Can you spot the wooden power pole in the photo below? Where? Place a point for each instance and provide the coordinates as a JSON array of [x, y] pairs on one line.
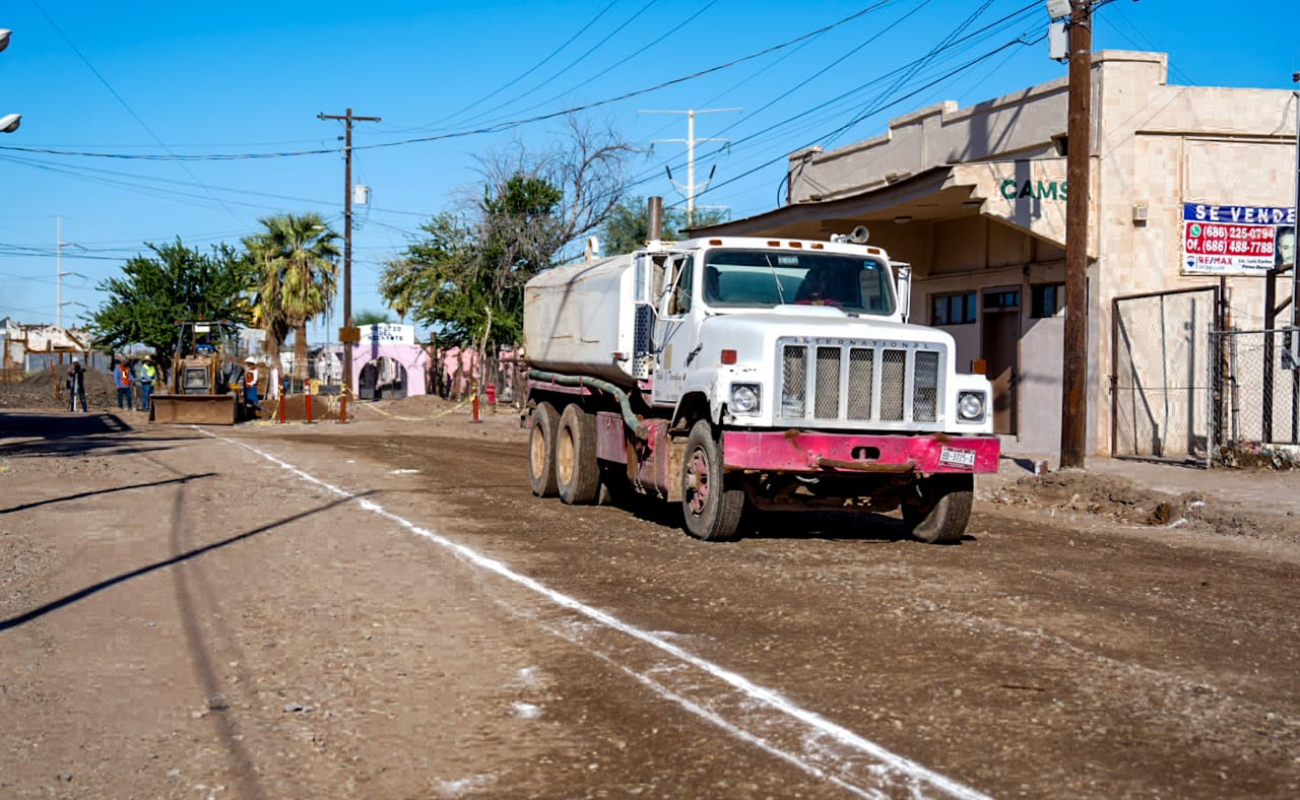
[[1074, 395], [349, 338]]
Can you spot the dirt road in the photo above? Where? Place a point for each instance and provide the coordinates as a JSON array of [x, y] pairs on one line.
[[382, 610]]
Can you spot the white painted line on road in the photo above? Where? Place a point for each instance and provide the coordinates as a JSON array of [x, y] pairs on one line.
[[767, 697]]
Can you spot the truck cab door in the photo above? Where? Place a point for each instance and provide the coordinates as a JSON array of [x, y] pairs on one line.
[[676, 333]]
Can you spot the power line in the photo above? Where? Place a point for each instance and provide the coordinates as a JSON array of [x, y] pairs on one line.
[[571, 64], [125, 104], [504, 126], [895, 102], [627, 59], [804, 116], [869, 110], [519, 77]]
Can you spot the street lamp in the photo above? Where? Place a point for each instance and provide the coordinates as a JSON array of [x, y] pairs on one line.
[[9, 122]]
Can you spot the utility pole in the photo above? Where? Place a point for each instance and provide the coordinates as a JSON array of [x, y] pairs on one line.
[[690, 141], [1074, 395], [59, 272], [350, 337]]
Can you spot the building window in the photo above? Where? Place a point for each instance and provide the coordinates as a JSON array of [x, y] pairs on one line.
[[952, 309], [1048, 300], [1003, 300]]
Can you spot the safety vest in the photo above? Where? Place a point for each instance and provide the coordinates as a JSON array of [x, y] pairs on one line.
[[125, 374], [150, 373], [250, 377]]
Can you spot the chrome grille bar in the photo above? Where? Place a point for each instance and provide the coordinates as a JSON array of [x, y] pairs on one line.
[[860, 381]]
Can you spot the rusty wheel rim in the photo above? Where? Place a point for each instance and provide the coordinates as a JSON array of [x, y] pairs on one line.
[[697, 474]]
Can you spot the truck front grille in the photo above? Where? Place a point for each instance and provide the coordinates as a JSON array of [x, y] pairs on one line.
[[882, 383]]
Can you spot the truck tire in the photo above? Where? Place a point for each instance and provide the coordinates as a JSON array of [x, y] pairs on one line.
[[541, 450], [942, 512], [577, 473], [711, 508]]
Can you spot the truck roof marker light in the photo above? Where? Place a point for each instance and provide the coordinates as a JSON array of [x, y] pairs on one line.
[[817, 246], [728, 356], [715, 241], [796, 245], [773, 244]]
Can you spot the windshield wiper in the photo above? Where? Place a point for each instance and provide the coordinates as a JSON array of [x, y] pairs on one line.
[[768, 258]]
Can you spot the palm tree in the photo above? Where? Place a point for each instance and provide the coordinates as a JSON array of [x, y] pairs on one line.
[[297, 279]]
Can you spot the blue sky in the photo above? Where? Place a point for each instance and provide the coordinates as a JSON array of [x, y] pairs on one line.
[[236, 77]]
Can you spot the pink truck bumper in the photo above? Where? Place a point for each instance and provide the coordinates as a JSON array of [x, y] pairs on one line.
[[801, 451]]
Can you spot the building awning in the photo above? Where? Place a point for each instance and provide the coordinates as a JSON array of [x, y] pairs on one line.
[[1028, 194]]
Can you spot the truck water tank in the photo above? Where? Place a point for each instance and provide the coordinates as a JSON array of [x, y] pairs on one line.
[[577, 317]]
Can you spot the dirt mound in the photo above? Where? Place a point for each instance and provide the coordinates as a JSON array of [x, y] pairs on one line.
[[1121, 499], [38, 391]]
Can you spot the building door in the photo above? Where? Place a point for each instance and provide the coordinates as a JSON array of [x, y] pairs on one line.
[[1000, 344]]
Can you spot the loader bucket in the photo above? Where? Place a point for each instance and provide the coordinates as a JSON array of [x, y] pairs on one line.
[[200, 409]]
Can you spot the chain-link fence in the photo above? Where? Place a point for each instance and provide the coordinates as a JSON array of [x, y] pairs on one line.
[[1160, 360], [1255, 385]]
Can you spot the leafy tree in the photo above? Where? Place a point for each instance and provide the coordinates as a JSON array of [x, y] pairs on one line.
[[369, 317], [628, 225], [296, 279], [175, 283], [464, 278], [439, 281]]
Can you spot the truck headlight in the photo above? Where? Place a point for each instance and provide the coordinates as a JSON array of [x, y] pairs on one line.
[[745, 398], [970, 406]]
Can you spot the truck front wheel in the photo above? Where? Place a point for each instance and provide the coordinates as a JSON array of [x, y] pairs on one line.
[[541, 450], [941, 512], [577, 472], [712, 510]]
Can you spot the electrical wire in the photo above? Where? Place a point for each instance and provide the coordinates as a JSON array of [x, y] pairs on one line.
[[895, 102], [569, 66], [457, 134], [516, 79], [957, 46], [125, 104], [623, 61], [872, 106]]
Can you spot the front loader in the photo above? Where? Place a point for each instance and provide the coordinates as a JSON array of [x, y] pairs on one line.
[[204, 385]]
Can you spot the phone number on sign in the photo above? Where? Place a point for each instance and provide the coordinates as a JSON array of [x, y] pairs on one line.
[[1255, 240]]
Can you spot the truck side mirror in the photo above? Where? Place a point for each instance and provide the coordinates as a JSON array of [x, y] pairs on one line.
[[903, 276]]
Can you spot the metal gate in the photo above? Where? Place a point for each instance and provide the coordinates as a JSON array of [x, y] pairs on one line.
[[1256, 388], [1160, 368]]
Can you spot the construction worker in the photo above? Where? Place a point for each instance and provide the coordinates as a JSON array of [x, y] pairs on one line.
[[148, 374], [122, 379], [250, 384]]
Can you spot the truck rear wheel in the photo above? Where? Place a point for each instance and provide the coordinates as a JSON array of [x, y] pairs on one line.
[[541, 450], [942, 512], [577, 472], [712, 510]]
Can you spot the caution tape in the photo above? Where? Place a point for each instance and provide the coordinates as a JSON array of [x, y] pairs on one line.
[[390, 415]]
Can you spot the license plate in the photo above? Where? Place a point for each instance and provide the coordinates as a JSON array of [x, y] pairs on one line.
[[956, 457]]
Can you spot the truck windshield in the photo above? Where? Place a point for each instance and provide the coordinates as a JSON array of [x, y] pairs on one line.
[[765, 279]]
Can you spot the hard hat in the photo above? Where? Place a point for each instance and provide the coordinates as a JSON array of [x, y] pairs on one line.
[[250, 360]]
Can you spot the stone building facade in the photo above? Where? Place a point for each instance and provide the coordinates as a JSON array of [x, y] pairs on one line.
[[974, 199]]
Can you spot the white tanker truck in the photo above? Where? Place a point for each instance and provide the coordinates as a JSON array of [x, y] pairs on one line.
[[729, 372]]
